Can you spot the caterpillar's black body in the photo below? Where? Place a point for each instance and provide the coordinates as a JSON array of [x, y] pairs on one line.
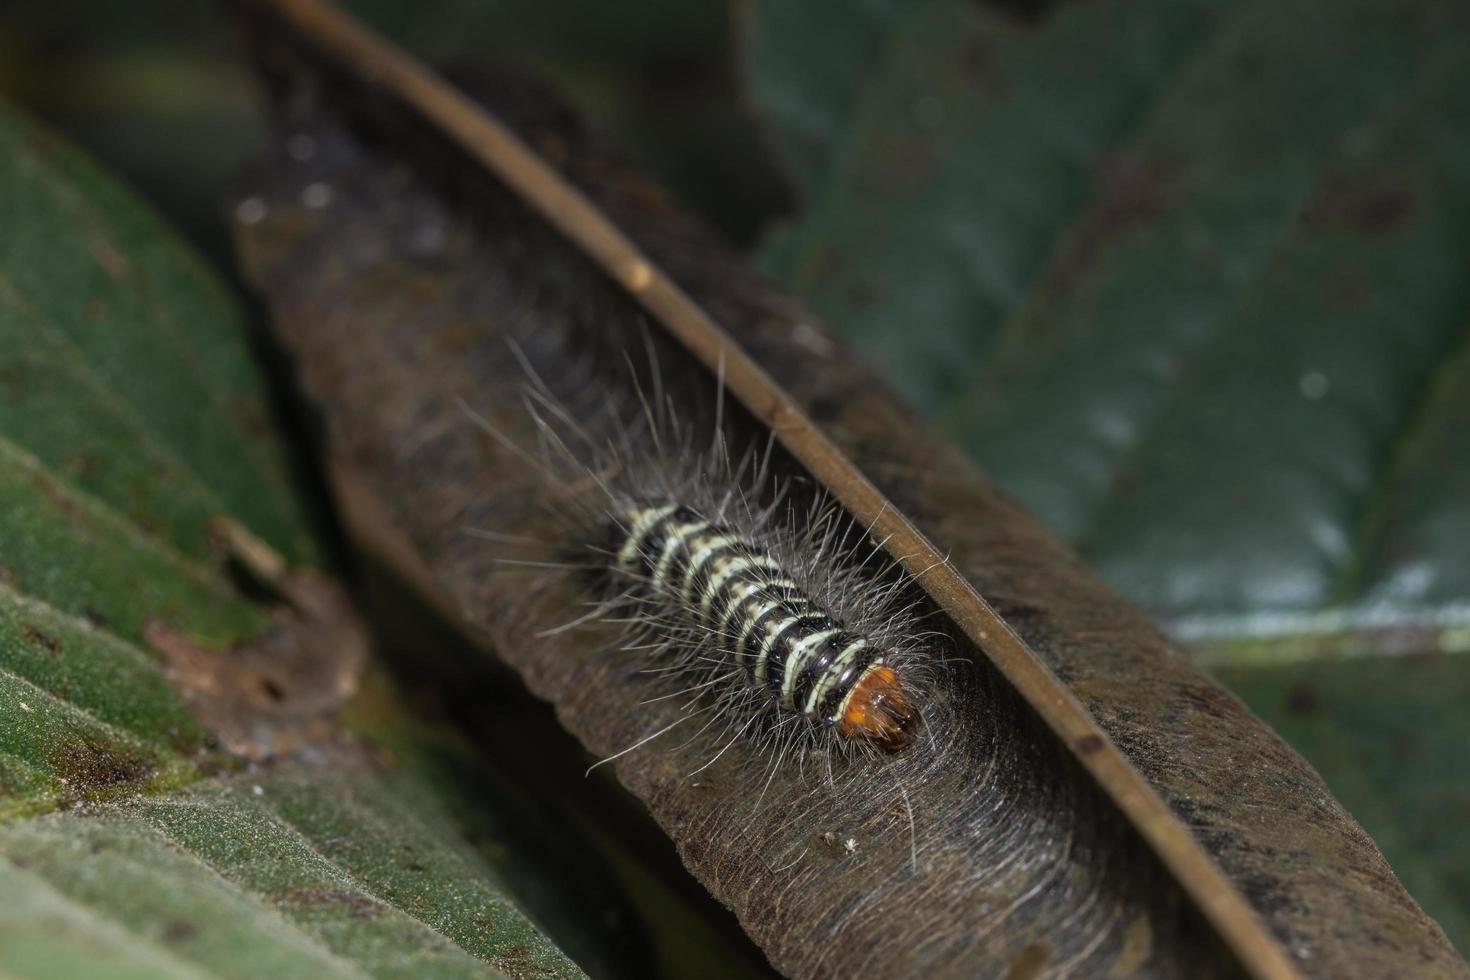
[[787, 645]]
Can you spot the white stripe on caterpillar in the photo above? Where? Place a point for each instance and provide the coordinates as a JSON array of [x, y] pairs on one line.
[[638, 527], [788, 645], [796, 661]]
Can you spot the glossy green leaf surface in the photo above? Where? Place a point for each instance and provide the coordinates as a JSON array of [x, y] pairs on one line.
[[82, 263], [162, 92], [133, 417], [1190, 280], [1178, 274], [108, 388]]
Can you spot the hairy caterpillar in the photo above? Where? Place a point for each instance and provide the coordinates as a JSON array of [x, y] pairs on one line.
[[785, 643], [748, 594]]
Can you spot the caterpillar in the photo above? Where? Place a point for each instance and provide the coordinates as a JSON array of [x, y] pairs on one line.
[[784, 642], [781, 621]]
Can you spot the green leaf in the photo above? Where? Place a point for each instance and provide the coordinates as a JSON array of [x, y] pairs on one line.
[[1176, 273], [809, 91], [1189, 280], [158, 346], [116, 367], [132, 420], [299, 872], [83, 713], [162, 93]]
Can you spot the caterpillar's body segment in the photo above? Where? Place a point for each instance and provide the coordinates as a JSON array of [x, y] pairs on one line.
[[787, 645]]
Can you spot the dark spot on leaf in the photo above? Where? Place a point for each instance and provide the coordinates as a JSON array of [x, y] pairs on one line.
[[113, 262], [517, 960], [87, 765], [1088, 744], [179, 931], [95, 618], [1131, 195], [414, 866], [357, 904], [1029, 962], [96, 309], [1383, 211], [44, 640], [976, 60], [85, 466], [1363, 204], [974, 69], [272, 688], [7, 576], [481, 922], [1302, 700], [13, 383], [149, 524]]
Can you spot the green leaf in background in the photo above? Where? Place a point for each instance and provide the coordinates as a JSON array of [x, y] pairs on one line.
[[160, 89], [1190, 279], [132, 418], [79, 267], [1179, 274], [155, 89]]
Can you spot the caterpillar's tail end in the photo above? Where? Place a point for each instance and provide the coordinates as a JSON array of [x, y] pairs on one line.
[[880, 712]]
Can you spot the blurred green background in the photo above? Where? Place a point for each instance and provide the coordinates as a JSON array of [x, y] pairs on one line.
[[1190, 277]]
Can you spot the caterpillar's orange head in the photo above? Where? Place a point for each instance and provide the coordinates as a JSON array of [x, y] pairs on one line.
[[879, 711]]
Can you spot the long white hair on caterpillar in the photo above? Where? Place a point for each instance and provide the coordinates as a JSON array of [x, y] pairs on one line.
[[752, 599]]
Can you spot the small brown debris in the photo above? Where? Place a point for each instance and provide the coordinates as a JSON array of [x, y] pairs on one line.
[[360, 906], [276, 693], [179, 931], [41, 639], [113, 262], [87, 765]]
